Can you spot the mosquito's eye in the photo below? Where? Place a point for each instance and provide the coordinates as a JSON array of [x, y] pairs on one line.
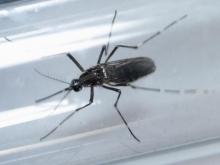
[[75, 82], [77, 88]]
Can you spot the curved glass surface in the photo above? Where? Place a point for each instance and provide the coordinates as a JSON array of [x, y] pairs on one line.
[[38, 34]]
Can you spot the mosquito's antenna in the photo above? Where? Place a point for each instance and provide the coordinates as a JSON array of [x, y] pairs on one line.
[[52, 95], [61, 100], [161, 31], [50, 77], [110, 34]]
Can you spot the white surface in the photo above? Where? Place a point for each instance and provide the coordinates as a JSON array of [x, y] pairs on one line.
[[203, 153], [186, 56]]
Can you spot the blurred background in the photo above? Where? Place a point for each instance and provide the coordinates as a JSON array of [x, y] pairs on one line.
[[173, 128]]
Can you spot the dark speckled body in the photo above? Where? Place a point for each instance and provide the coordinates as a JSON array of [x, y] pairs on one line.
[[120, 72]]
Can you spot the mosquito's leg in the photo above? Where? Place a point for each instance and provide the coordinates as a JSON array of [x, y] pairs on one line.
[[146, 40], [110, 33], [62, 99], [171, 91], [71, 114], [144, 88], [116, 107], [75, 62], [7, 39], [106, 47], [101, 54], [119, 46], [116, 85]]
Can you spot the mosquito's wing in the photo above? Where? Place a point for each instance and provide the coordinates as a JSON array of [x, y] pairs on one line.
[[128, 70]]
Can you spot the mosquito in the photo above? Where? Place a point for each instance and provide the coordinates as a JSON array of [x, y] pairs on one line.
[[109, 75]]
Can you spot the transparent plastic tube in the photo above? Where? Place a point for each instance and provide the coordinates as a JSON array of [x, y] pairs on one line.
[[37, 35]]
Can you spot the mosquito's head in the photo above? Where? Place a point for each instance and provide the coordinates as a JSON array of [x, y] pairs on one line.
[[76, 85]]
